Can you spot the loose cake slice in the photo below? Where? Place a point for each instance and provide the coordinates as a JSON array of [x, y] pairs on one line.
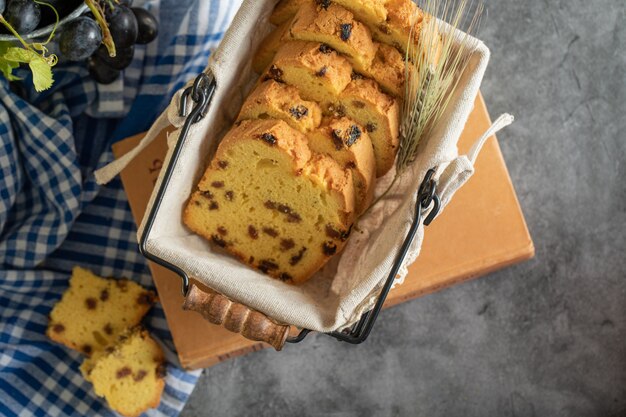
[[271, 202], [268, 47], [319, 73], [335, 26], [363, 102], [349, 144], [129, 374], [94, 311], [273, 100]]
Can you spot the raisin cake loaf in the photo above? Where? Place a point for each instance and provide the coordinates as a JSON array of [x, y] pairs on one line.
[[267, 199], [128, 374], [94, 311]]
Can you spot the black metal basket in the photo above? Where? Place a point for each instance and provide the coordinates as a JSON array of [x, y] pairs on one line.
[[201, 94]]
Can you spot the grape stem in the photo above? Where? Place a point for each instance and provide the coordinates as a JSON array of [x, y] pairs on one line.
[[107, 39], [14, 32], [56, 24]]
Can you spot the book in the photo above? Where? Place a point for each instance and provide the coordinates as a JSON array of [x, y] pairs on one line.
[[480, 231]]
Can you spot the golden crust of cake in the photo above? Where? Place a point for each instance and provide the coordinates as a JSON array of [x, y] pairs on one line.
[[388, 70], [396, 29], [285, 10], [274, 100], [94, 311], [319, 73], [268, 47], [128, 374], [335, 26], [379, 113], [370, 12], [267, 199], [349, 144]]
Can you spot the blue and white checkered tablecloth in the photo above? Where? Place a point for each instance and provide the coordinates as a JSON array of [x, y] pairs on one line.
[[53, 215]]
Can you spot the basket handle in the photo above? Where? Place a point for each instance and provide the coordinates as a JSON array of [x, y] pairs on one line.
[[236, 317]]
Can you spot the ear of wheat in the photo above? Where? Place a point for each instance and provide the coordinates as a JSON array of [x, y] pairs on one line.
[[433, 66]]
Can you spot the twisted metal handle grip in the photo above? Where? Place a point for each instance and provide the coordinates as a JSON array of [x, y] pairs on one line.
[[236, 317]]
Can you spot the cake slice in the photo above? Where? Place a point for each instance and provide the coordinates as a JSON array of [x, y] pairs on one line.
[[273, 100], [370, 12], [363, 102], [128, 374], [319, 73], [335, 26], [272, 203], [388, 70], [285, 10], [94, 311], [349, 144], [268, 47]]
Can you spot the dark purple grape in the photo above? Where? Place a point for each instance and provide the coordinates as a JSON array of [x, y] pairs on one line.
[[126, 3], [3, 5], [23, 15], [80, 38], [122, 59], [123, 27], [100, 72], [147, 25]]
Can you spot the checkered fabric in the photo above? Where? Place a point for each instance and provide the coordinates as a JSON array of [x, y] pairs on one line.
[[53, 215]]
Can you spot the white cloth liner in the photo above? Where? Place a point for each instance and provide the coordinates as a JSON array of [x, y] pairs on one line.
[[349, 285]]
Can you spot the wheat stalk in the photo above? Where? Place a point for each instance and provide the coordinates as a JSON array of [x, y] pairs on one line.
[[433, 67]]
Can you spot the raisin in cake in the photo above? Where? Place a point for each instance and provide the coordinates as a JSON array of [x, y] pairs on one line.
[[270, 201], [274, 100], [319, 73], [94, 310], [128, 374], [349, 144], [379, 113]]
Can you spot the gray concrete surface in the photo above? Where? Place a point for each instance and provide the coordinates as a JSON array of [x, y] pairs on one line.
[[545, 338]]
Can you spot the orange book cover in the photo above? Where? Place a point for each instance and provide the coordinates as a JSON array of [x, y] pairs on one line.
[[481, 230]]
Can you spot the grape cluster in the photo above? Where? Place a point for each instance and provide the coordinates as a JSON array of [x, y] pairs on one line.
[[82, 38]]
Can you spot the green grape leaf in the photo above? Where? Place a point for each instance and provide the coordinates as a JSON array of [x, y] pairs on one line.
[[41, 69], [42, 74]]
